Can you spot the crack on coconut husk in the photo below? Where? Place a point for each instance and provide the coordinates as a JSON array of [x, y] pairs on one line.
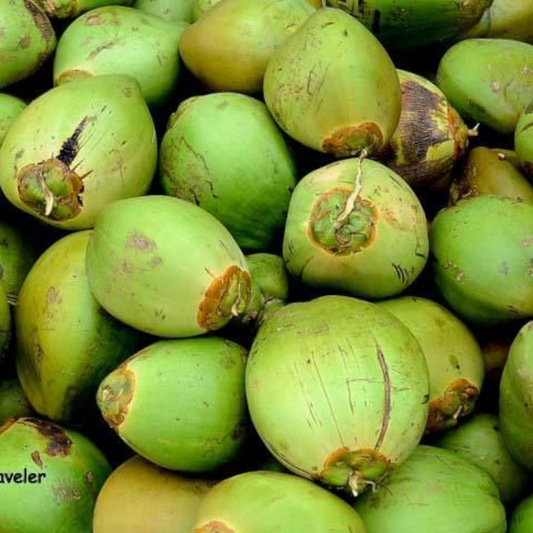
[[227, 296], [52, 188], [214, 526], [41, 21], [61, 8], [458, 401], [355, 471], [115, 395], [349, 141], [58, 443]]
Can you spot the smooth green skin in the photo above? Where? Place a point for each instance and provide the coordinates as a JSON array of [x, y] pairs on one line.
[[66, 343], [486, 172], [479, 441], [17, 256], [263, 502], [482, 252], [229, 47], [522, 517], [523, 139], [225, 153], [13, 401], [505, 19], [64, 500], [489, 81], [408, 24], [148, 254], [384, 268], [5, 323], [118, 146], [116, 45], [73, 8], [139, 497], [315, 383], [170, 10], [200, 7], [435, 489], [451, 350], [26, 42], [188, 409], [312, 96], [516, 397], [10, 108]]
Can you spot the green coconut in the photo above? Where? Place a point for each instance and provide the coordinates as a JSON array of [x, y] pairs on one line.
[[140, 496], [357, 227], [523, 138], [516, 398], [262, 502], [148, 253], [480, 442], [408, 24], [50, 477], [436, 490], [522, 517], [505, 19], [180, 403], [73, 8], [10, 108], [27, 40], [229, 47], [319, 368], [108, 40], [225, 153], [482, 256], [5, 323], [13, 401], [488, 81], [490, 171], [339, 106], [430, 137], [17, 256], [77, 148], [66, 343], [455, 362], [170, 10]]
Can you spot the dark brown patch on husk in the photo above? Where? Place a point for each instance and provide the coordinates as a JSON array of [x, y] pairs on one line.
[[116, 395], [349, 141], [58, 443], [41, 20]]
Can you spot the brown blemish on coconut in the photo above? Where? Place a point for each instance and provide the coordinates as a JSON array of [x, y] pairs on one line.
[[41, 21], [352, 140], [115, 395], [458, 401], [214, 527], [351, 235], [228, 295], [58, 443], [36, 458], [140, 242]]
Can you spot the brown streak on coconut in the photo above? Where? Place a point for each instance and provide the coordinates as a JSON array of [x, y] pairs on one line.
[[115, 395], [214, 527], [58, 442], [387, 397]]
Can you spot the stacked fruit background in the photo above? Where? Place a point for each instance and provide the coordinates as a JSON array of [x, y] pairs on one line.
[[266, 266]]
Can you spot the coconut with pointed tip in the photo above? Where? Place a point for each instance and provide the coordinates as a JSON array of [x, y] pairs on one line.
[[77, 148], [27, 40], [340, 104], [229, 47]]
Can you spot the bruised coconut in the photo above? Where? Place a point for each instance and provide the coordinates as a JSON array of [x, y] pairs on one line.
[[430, 137], [303, 385], [307, 91], [66, 343], [407, 24], [481, 256], [77, 148], [113, 45], [140, 496], [201, 384], [229, 47], [63, 474], [137, 273], [261, 502], [453, 356], [27, 40], [491, 171], [355, 226], [72, 8], [225, 153]]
